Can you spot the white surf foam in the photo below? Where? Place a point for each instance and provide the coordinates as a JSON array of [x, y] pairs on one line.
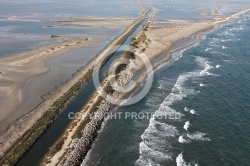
[[198, 136], [149, 156], [186, 125], [207, 68], [192, 112], [217, 66], [181, 162], [182, 140], [146, 162], [186, 109], [154, 139], [206, 64], [207, 49], [202, 85], [154, 145], [179, 85], [149, 152], [165, 112], [160, 131], [224, 47]]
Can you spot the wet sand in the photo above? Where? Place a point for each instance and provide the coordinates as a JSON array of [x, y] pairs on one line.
[[18, 69]]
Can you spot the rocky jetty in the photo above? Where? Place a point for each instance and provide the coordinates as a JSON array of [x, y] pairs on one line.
[[81, 147]]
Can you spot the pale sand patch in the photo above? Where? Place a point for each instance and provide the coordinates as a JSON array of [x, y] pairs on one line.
[[13, 18], [164, 37], [18, 69], [97, 22]]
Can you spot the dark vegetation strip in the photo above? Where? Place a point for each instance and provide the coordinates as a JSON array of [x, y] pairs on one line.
[[22, 144], [88, 129], [95, 124], [78, 134]]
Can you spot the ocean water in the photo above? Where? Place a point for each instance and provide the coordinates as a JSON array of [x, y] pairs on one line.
[[209, 85]]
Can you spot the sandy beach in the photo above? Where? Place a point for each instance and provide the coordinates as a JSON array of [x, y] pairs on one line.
[[162, 39]]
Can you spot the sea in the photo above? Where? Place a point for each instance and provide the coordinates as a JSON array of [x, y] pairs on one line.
[[208, 86]]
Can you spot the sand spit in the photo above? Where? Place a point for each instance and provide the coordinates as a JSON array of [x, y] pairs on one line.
[[18, 69], [163, 38], [13, 18], [95, 22]]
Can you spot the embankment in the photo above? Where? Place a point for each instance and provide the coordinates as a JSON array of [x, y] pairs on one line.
[[100, 107], [84, 132], [74, 145]]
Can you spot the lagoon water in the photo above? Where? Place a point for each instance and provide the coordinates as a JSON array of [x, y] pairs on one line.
[[59, 9], [209, 85], [29, 30], [28, 35]]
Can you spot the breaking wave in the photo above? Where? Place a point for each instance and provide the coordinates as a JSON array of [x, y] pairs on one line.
[[181, 162], [198, 136]]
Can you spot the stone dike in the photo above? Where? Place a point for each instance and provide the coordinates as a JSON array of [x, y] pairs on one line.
[[81, 146]]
